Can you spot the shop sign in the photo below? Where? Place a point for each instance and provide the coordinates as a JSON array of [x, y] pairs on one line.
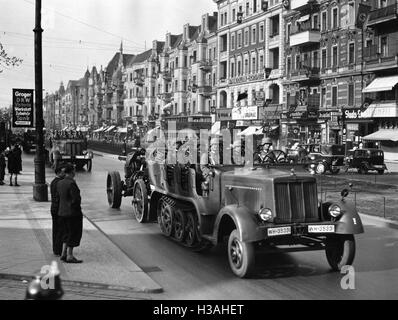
[[22, 108], [223, 114], [352, 126], [241, 123], [324, 115], [252, 77], [352, 114], [245, 113]]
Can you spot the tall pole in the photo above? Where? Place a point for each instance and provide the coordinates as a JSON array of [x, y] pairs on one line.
[[40, 190]]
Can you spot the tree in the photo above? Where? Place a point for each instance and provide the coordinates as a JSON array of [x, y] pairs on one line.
[[7, 60]]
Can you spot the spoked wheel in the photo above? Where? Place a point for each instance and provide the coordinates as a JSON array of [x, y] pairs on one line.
[[89, 165], [191, 234], [140, 201], [114, 189], [240, 255], [165, 218], [179, 225], [340, 251]]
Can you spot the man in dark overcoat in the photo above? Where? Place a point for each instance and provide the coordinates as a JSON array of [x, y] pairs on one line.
[[70, 214], [57, 234]]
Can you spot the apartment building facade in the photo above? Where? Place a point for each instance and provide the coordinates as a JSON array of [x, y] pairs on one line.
[[250, 62]]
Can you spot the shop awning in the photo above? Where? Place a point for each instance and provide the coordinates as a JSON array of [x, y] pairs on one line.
[[110, 129], [381, 84], [383, 135], [99, 130], [304, 18], [252, 130], [216, 128], [122, 130]]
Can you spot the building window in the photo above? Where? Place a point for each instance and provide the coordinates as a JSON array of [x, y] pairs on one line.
[[351, 13], [254, 69], [246, 37], [351, 53], [239, 40], [324, 59], [288, 30], [254, 6], [254, 35], [275, 26], [261, 33], [315, 22], [335, 20], [334, 96], [383, 46], [247, 9], [334, 56], [233, 42], [288, 65], [298, 64], [323, 98], [239, 69], [232, 69], [324, 21], [261, 62], [184, 85], [233, 15], [315, 60], [246, 66], [351, 94]]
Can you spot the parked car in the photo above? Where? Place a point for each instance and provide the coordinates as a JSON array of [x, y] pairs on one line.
[[365, 160], [329, 157]]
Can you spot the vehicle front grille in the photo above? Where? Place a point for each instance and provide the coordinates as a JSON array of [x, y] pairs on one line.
[[73, 149], [296, 201]]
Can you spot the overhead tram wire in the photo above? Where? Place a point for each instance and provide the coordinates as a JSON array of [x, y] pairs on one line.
[[88, 25]]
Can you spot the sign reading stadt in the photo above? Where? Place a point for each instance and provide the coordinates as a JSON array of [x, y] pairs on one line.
[[22, 108]]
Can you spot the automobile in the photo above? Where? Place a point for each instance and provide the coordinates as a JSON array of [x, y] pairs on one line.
[[29, 140], [327, 157], [266, 208], [135, 184], [366, 159], [70, 150]]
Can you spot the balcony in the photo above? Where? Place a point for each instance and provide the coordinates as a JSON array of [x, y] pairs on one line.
[[304, 74], [375, 60], [166, 96], [139, 81], [206, 65], [300, 5], [382, 15], [205, 91], [140, 99], [167, 75], [305, 35]]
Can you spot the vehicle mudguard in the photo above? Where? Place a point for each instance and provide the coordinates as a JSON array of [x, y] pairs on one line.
[[350, 222], [245, 222]]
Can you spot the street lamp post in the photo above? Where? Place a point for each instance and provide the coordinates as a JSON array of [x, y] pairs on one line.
[[40, 190]]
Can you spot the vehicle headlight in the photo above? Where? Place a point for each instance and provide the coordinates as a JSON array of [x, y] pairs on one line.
[[265, 214], [334, 210], [312, 158]]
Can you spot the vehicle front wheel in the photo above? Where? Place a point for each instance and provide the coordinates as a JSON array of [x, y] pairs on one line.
[[320, 168], [340, 251], [240, 255]]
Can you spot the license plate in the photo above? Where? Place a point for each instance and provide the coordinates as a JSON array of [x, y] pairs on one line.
[[279, 231], [321, 229]]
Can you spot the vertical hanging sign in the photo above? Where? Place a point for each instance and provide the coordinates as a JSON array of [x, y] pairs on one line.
[[22, 108]]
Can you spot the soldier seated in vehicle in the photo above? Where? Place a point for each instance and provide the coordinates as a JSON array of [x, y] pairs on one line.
[[207, 163]]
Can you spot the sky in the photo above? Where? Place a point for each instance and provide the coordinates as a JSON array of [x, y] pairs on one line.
[[83, 33]]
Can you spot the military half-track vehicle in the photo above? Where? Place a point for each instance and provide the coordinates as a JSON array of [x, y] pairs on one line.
[[70, 151]]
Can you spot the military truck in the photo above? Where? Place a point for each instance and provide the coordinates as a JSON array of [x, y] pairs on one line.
[[251, 208], [70, 150]]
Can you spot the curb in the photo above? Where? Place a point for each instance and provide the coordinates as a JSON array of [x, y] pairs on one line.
[[80, 284], [380, 222]]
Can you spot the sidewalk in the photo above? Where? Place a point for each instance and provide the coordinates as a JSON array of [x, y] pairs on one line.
[[25, 247]]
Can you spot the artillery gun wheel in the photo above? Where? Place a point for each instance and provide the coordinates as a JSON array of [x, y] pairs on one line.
[[114, 189], [140, 201], [240, 255], [340, 251], [165, 216], [89, 165]]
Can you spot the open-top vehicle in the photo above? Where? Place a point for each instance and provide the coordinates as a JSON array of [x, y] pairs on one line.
[[251, 208], [365, 160], [71, 151]]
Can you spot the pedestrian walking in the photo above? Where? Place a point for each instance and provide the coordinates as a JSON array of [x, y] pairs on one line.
[[2, 167], [70, 214], [57, 233]]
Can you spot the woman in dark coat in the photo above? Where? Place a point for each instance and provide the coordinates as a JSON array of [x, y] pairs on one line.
[[14, 163]]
